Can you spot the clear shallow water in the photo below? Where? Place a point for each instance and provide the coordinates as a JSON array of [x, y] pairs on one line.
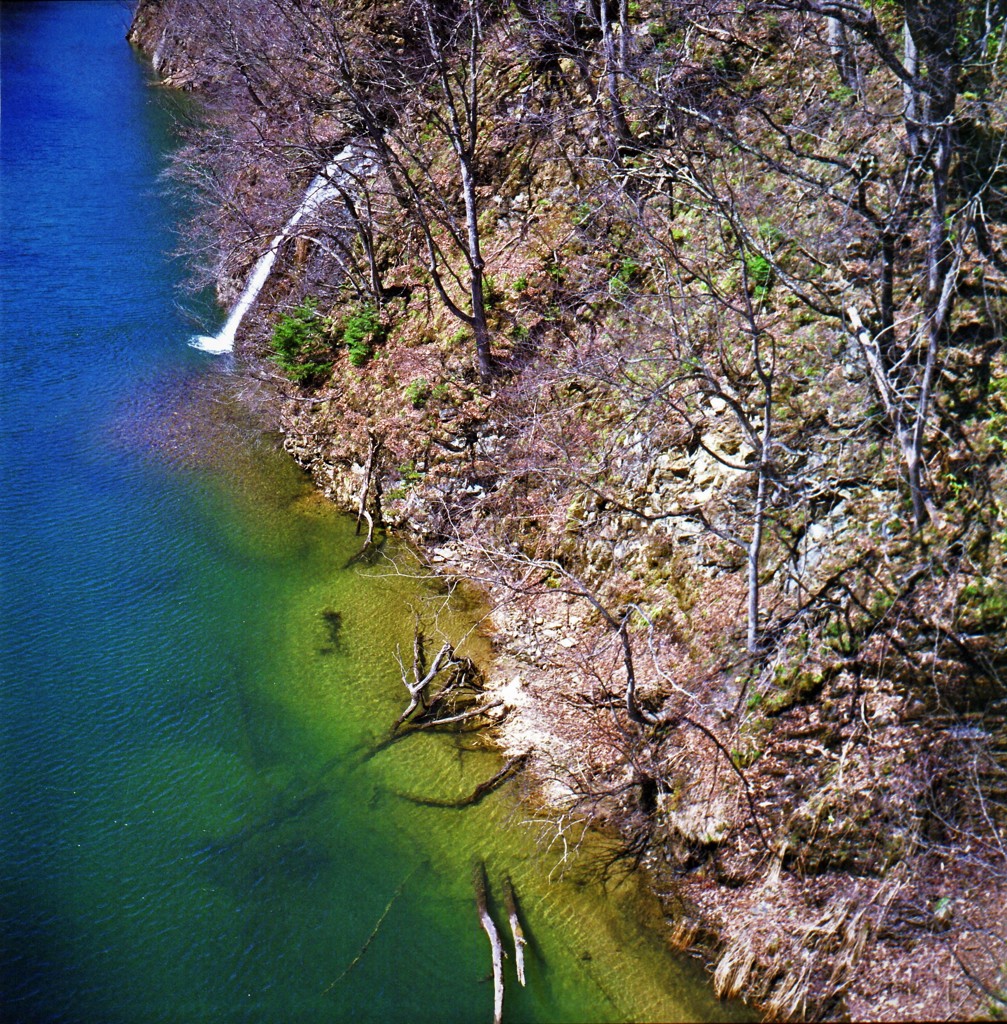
[[191, 829]]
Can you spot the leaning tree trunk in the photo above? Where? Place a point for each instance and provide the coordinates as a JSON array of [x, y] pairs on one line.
[[480, 326], [932, 26], [842, 53]]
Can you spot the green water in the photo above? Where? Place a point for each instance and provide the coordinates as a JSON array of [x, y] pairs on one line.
[[321, 827], [199, 821]]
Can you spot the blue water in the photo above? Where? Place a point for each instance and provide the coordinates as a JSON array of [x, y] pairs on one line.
[[191, 830]]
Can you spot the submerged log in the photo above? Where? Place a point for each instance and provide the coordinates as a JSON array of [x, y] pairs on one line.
[[490, 928], [512, 767], [374, 931], [515, 926]]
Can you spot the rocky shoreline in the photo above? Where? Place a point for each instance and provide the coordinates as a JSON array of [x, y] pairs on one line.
[[793, 945]]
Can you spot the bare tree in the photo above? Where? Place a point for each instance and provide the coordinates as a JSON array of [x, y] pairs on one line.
[[904, 338], [398, 95], [454, 48]]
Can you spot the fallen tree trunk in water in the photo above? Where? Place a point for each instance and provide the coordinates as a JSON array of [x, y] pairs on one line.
[[515, 926], [490, 928]]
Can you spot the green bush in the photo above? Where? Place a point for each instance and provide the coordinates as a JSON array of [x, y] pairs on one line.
[[299, 344], [760, 274], [582, 214], [985, 602], [362, 332], [418, 392], [626, 272], [410, 473], [492, 295]]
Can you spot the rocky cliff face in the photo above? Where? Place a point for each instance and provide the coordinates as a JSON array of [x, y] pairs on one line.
[[715, 623]]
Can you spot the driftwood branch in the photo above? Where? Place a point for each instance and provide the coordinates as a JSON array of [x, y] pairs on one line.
[[422, 677], [447, 706], [464, 716], [510, 902], [490, 928], [370, 527], [374, 445]]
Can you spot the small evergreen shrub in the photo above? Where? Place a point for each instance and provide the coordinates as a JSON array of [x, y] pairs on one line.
[[299, 344], [582, 214], [410, 473], [362, 332], [627, 271], [492, 295], [760, 275]]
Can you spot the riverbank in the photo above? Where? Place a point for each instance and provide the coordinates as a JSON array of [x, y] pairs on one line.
[[818, 802], [795, 939]]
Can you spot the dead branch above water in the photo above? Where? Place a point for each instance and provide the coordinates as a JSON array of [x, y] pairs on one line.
[[459, 698]]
